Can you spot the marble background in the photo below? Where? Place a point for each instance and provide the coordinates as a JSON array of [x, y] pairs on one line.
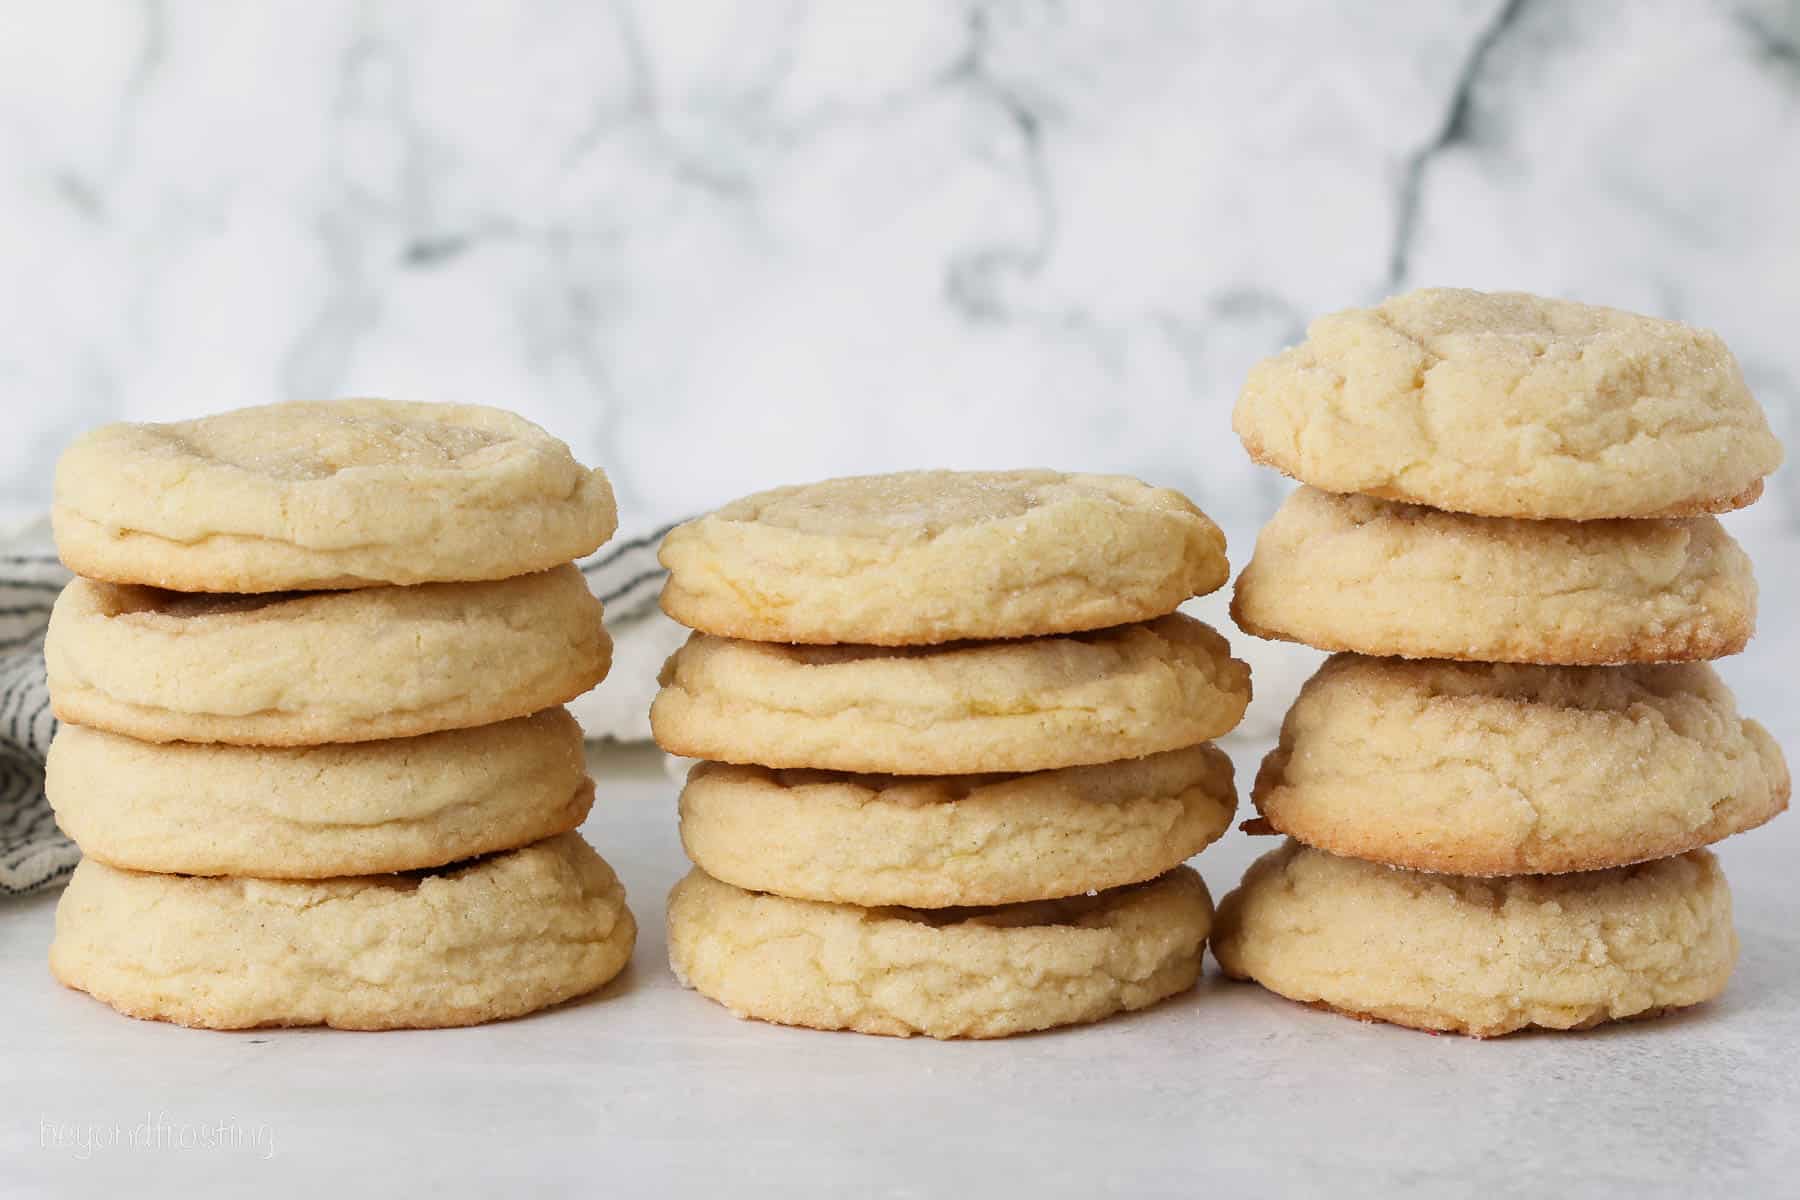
[[719, 246]]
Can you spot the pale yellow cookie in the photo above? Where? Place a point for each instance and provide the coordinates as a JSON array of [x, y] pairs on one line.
[[1480, 956], [312, 812], [1509, 770], [936, 556], [1355, 573], [303, 669], [1509, 405], [1030, 705], [959, 972], [495, 938], [333, 494], [936, 841]]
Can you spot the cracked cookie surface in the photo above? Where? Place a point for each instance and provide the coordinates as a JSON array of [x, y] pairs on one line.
[[925, 557], [936, 841], [495, 938], [399, 804], [948, 973], [1480, 956], [1377, 577], [1503, 770], [1511, 405], [1029, 705], [326, 494], [302, 669]]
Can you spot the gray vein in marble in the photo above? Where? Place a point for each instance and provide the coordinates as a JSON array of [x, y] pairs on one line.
[[1456, 128], [87, 195], [973, 279], [1775, 35], [371, 95], [643, 110]]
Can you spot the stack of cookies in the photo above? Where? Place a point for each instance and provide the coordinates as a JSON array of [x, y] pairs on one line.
[[1499, 790], [957, 750], [313, 750]]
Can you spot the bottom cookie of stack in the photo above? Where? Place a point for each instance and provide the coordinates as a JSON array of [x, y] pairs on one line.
[[952, 972], [1480, 956], [485, 940]]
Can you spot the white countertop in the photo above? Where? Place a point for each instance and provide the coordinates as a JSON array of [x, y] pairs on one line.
[[649, 1089]]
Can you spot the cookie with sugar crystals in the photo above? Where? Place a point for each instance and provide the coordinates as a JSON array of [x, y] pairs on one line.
[[1034, 704], [303, 669], [484, 941], [1511, 405], [1376, 577], [948, 973], [326, 494], [1480, 956], [937, 841], [927, 557], [1506, 770], [312, 812]]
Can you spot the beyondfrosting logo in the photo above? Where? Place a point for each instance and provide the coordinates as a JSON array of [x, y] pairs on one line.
[[157, 1131]]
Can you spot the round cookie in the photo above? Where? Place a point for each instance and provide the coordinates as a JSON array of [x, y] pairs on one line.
[[1480, 956], [305, 669], [1031, 705], [1509, 405], [927, 557], [325, 494], [495, 938], [1376, 577], [977, 973], [937, 841], [1507, 770], [314, 812]]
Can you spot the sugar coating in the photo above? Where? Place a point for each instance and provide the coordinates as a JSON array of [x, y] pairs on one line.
[[1377, 577], [1500, 770], [304, 669], [1480, 956], [312, 812], [925, 557], [936, 841], [1511, 405], [338, 494], [496, 938], [1029, 705], [948, 973]]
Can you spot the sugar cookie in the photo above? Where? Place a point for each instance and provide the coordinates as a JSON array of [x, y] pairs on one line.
[[288, 669], [400, 804], [936, 556], [1355, 573], [1510, 405], [943, 972], [935, 841], [333, 494], [1506, 770], [1027, 705], [495, 938], [1480, 956]]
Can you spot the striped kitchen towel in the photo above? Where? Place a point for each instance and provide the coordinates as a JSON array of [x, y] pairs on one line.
[[35, 854]]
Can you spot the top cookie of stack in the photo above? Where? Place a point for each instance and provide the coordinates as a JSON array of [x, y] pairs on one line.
[[1521, 489], [332, 494], [869, 652], [312, 644]]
